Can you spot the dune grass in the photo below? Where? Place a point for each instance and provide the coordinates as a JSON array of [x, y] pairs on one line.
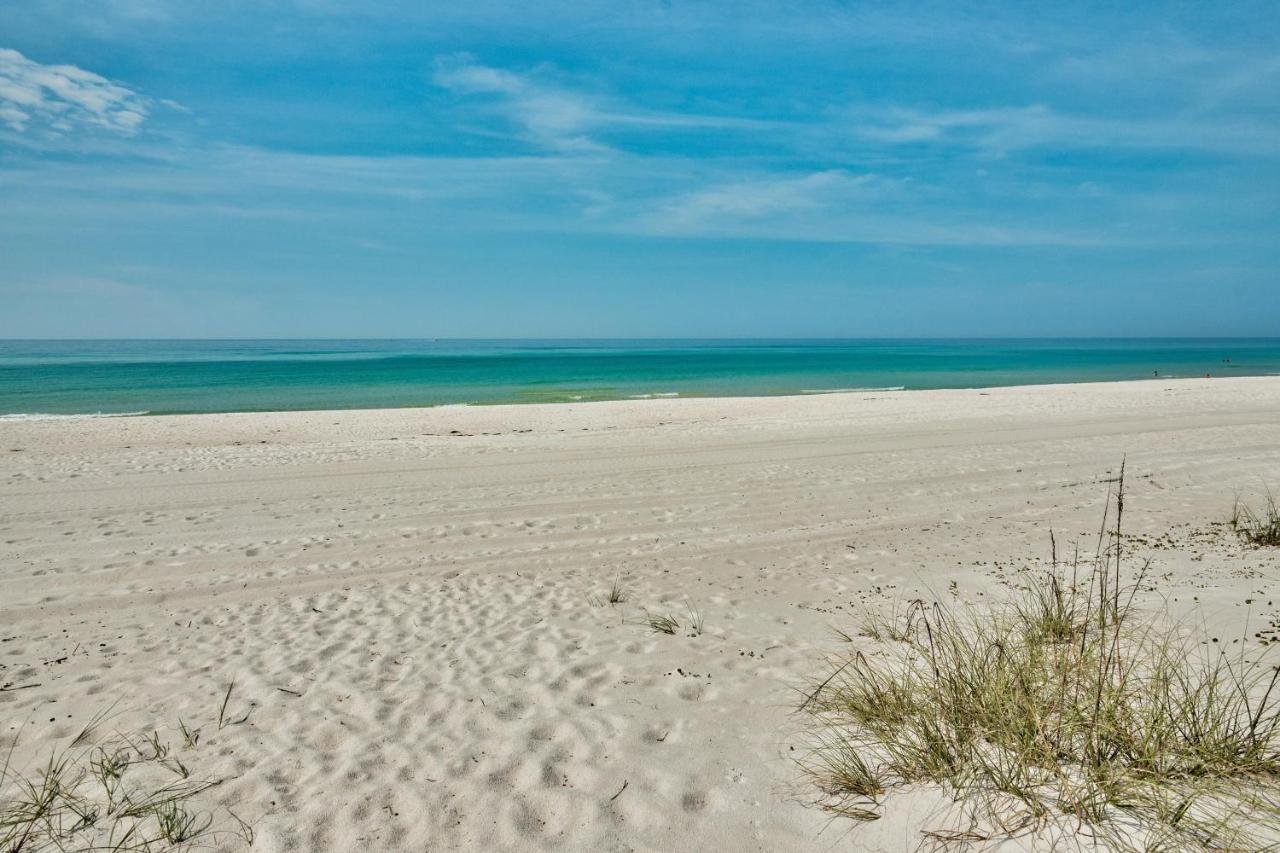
[[617, 595], [100, 798], [894, 627], [1062, 708], [110, 793], [661, 623], [696, 620], [666, 623], [1257, 528]]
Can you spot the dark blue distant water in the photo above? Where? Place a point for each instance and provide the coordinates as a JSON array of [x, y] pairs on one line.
[[110, 377]]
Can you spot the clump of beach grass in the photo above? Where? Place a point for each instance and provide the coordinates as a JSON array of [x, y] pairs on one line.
[[1261, 528], [696, 620], [661, 623], [107, 793], [177, 824], [666, 623], [617, 595], [1063, 708]]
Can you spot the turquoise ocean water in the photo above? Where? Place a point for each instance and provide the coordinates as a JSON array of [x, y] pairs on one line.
[[116, 377]]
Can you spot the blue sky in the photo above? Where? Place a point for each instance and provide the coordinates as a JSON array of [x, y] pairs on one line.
[[480, 169]]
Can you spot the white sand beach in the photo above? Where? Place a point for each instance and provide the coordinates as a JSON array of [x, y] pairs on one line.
[[410, 603]]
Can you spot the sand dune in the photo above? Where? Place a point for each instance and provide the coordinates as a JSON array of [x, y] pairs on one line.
[[411, 602]]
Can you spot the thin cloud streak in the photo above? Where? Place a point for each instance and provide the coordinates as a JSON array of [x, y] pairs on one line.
[[620, 196], [1000, 131], [560, 118]]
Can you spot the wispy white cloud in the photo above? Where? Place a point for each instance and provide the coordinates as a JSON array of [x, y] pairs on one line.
[[1184, 74], [1003, 130], [64, 98], [395, 200], [757, 198], [559, 117], [834, 206], [551, 116]]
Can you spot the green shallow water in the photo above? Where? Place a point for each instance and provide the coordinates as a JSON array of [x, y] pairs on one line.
[[118, 377]]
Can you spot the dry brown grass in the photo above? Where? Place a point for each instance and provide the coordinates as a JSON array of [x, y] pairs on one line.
[[1063, 707], [110, 793], [1261, 528]]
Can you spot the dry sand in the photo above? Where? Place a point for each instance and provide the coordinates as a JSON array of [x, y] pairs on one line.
[[408, 601]]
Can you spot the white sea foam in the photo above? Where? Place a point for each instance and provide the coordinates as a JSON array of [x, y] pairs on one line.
[[664, 395], [44, 416], [850, 390]]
